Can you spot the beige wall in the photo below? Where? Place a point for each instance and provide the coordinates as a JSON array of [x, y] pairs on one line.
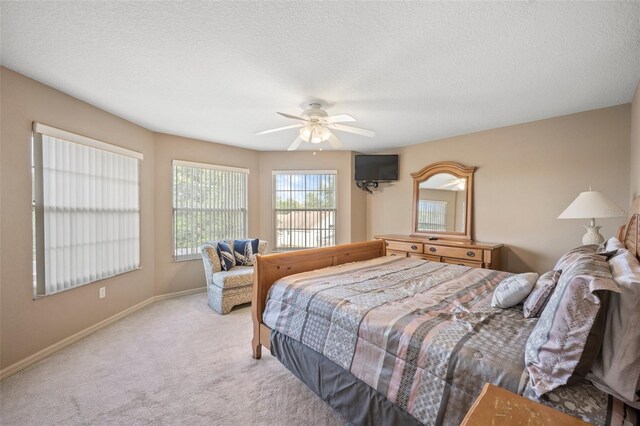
[[185, 275], [27, 325], [635, 145], [358, 207], [350, 222], [527, 174]]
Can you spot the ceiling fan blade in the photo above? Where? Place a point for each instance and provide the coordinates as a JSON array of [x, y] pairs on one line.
[[335, 142], [339, 118], [293, 117], [356, 130], [296, 143], [293, 126]]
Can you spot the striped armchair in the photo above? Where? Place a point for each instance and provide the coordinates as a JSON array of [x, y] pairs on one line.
[[226, 289]]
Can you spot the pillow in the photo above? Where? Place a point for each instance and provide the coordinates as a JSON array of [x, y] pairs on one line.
[[540, 294], [513, 290], [227, 259], [245, 251], [567, 337], [569, 257], [613, 244], [616, 370]]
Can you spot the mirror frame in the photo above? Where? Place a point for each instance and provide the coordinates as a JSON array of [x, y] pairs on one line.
[[458, 170]]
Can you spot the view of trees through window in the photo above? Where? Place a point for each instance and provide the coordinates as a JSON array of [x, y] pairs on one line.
[[208, 204], [305, 210]]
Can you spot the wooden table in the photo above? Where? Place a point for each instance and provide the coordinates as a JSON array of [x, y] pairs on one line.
[[497, 406]]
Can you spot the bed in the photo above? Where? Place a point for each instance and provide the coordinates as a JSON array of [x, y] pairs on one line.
[[387, 340]]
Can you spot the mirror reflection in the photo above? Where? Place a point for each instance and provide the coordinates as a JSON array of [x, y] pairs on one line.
[[442, 202]]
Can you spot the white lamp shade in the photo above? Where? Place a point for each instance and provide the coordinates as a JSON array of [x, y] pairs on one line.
[[591, 205]]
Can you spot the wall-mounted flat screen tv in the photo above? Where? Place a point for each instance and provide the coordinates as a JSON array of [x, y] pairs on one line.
[[376, 167]]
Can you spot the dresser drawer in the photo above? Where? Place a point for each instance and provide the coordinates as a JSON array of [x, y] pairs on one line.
[[462, 262], [425, 256], [457, 252], [404, 246], [398, 253]]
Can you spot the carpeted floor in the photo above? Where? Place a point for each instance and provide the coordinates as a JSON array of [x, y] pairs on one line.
[[174, 362]]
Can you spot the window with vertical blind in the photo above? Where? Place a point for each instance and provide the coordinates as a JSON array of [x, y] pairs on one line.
[[209, 203], [432, 215], [86, 210], [304, 209]]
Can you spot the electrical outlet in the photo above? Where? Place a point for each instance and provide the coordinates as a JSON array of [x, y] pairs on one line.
[[103, 292]]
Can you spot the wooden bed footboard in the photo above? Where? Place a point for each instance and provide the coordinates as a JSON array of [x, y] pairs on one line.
[[271, 267]]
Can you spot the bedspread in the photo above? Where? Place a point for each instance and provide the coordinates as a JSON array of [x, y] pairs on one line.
[[421, 333]]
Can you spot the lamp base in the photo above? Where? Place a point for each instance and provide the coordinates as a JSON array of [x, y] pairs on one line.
[[592, 236]]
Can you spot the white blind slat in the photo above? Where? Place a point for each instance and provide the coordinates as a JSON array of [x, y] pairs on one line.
[[91, 214], [209, 203]]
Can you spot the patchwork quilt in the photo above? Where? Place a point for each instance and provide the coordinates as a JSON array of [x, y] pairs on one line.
[[421, 333]]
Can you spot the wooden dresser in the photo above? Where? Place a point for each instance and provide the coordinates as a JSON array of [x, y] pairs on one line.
[[459, 252]]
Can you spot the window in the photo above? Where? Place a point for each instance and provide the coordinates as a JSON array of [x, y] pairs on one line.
[[209, 203], [305, 209], [86, 210], [432, 215]]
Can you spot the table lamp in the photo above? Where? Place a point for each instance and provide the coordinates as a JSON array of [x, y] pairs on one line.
[[591, 205]]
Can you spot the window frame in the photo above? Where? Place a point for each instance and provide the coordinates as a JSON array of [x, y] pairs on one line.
[[39, 130], [184, 163], [274, 221]]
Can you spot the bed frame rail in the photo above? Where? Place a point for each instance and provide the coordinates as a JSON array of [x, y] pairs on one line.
[[270, 268]]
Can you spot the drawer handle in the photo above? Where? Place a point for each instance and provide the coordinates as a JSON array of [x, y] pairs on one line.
[[386, 244], [432, 249], [414, 247], [471, 254], [392, 254]]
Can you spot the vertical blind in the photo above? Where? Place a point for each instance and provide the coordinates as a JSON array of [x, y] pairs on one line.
[[209, 203], [432, 215], [86, 211], [304, 209]]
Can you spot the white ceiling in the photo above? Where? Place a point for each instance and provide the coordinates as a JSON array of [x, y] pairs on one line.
[[444, 182], [411, 71]]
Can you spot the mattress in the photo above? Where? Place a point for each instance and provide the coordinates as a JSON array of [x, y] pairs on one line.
[[421, 334]]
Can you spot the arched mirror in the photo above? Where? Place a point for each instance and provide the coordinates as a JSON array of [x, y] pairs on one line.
[[443, 201]]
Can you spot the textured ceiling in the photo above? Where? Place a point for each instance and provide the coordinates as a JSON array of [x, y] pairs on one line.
[[411, 71]]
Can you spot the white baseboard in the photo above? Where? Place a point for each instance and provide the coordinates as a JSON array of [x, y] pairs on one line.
[[42, 354]]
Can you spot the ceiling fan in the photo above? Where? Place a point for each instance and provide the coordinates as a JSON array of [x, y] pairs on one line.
[[316, 125]]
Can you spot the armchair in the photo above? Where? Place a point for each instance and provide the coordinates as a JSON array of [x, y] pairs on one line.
[[226, 289]]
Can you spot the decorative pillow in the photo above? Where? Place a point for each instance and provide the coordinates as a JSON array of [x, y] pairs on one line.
[[513, 290], [567, 338], [616, 370], [245, 251], [539, 296], [227, 259]]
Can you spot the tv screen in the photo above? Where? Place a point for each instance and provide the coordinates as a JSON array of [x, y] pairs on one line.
[[376, 167]]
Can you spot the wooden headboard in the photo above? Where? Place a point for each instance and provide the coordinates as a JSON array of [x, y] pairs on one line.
[[629, 234]]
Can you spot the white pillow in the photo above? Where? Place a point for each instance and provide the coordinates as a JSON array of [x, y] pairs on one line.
[[613, 244], [513, 290]]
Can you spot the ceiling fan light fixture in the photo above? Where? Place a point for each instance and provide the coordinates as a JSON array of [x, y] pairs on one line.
[[316, 126], [315, 134]]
